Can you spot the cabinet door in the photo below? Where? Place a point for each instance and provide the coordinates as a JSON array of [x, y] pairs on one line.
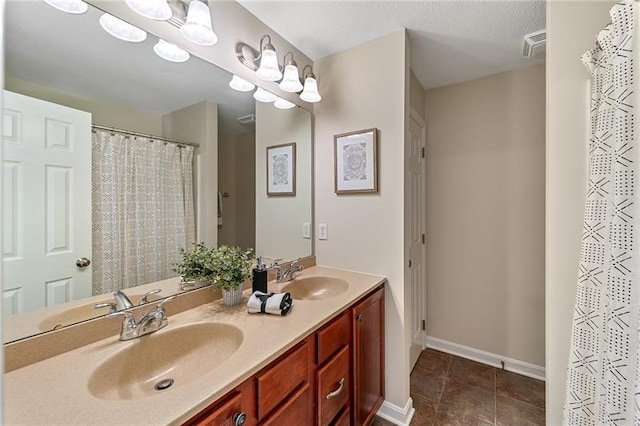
[[297, 410], [368, 357], [237, 408]]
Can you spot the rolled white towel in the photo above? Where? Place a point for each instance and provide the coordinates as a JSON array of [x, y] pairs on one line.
[[270, 303]]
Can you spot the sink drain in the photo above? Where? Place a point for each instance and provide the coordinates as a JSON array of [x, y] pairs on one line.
[[163, 384]]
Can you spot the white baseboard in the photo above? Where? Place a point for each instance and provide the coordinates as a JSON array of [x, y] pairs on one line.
[[397, 415], [513, 365]]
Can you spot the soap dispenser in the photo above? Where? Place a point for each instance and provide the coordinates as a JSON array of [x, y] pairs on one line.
[[259, 277]]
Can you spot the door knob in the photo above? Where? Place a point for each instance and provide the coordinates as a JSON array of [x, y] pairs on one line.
[[83, 262]]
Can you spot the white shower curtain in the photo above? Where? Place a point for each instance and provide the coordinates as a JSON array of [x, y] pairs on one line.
[[142, 206], [603, 382]]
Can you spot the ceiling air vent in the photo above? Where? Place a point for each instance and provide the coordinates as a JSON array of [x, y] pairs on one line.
[[532, 40], [247, 120]]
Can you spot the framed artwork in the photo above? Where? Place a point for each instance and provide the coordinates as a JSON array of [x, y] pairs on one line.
[[356, 162], [281, 169]]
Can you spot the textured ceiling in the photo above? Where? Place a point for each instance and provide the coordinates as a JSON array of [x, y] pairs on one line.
[[71, 53], [451, 41]]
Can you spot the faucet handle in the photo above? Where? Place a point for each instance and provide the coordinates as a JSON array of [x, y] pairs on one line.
[[110, 305], [276, 262], [145, 297], [163, 301]]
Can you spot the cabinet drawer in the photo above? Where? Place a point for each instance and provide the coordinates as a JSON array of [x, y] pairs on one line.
[[297, 411], [223, 415], [281, 379], [343, 418], [332, 337], [333, 387]]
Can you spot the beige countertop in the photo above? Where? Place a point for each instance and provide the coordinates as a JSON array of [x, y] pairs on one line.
[[55, 391]]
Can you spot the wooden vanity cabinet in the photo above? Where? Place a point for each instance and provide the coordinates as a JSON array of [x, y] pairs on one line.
[[368, 357], [334, 377]]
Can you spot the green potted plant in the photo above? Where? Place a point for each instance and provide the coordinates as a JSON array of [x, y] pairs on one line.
[[231, 266], [197, 265]]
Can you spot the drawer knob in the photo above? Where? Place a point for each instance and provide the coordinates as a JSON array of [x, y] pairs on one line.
[[336, 392], [239, 419]]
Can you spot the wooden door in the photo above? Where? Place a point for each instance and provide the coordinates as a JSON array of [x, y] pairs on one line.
[[46, 203], [368, 357]]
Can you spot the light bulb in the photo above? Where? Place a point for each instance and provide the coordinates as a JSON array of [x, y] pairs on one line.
[[75, 7], [283, 104], [269, 69], [310, 92], [291, 80], [121, 29], [158, 10], [264, 96], [241, 85], [197, 28], [170, 52]]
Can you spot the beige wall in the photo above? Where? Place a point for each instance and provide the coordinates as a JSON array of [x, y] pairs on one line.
[[103, 113], [279, 219], [366, 231], [571, 30], [485, 214], [199, 123]]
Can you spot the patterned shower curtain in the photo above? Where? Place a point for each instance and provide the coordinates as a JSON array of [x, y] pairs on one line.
[[142, 206], [603, 383]]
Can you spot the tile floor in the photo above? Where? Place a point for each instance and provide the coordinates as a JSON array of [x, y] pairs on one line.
[[449, 390]]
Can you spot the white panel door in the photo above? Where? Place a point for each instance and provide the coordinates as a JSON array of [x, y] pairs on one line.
[[46, 203], [417, 269]]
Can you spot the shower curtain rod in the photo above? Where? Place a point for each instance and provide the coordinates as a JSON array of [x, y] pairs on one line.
[[142, 135]]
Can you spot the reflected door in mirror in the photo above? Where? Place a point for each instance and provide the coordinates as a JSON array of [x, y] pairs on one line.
[[47, 227]]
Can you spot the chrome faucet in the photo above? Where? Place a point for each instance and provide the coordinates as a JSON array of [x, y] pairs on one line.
[[150, 322], [287, 271], [122, 301]]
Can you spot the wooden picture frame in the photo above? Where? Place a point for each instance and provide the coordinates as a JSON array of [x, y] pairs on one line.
[[281, 169], [356, 162]]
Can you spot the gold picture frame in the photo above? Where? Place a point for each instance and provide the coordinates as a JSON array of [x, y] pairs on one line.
[[356, 162]]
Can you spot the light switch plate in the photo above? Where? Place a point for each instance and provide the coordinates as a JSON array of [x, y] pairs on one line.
[[323, 231], [306, 230]]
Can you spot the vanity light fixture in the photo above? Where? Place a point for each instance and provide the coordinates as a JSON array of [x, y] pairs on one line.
[[158, 10], [75, 7], [283, 104], [262, 95], [291, 80], [197, 28], [241, 85], [269, 70], [121, 29], [310, 92], [170, 52]]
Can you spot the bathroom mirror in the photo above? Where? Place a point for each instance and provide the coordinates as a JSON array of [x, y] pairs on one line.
[[69, 60]]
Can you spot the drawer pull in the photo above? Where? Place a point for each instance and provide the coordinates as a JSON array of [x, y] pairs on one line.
[[239, 419], [336, 392]]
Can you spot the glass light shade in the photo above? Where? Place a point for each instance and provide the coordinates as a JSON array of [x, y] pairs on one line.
[[283, 104], [241, 85], [121, 29], [152, 9], [170, 52], [75, 7], [291, 80], [310, 92], [269, 69], [197, 28], [264, 96]]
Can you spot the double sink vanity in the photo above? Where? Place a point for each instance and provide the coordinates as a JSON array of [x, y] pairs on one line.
[[321, 364]]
